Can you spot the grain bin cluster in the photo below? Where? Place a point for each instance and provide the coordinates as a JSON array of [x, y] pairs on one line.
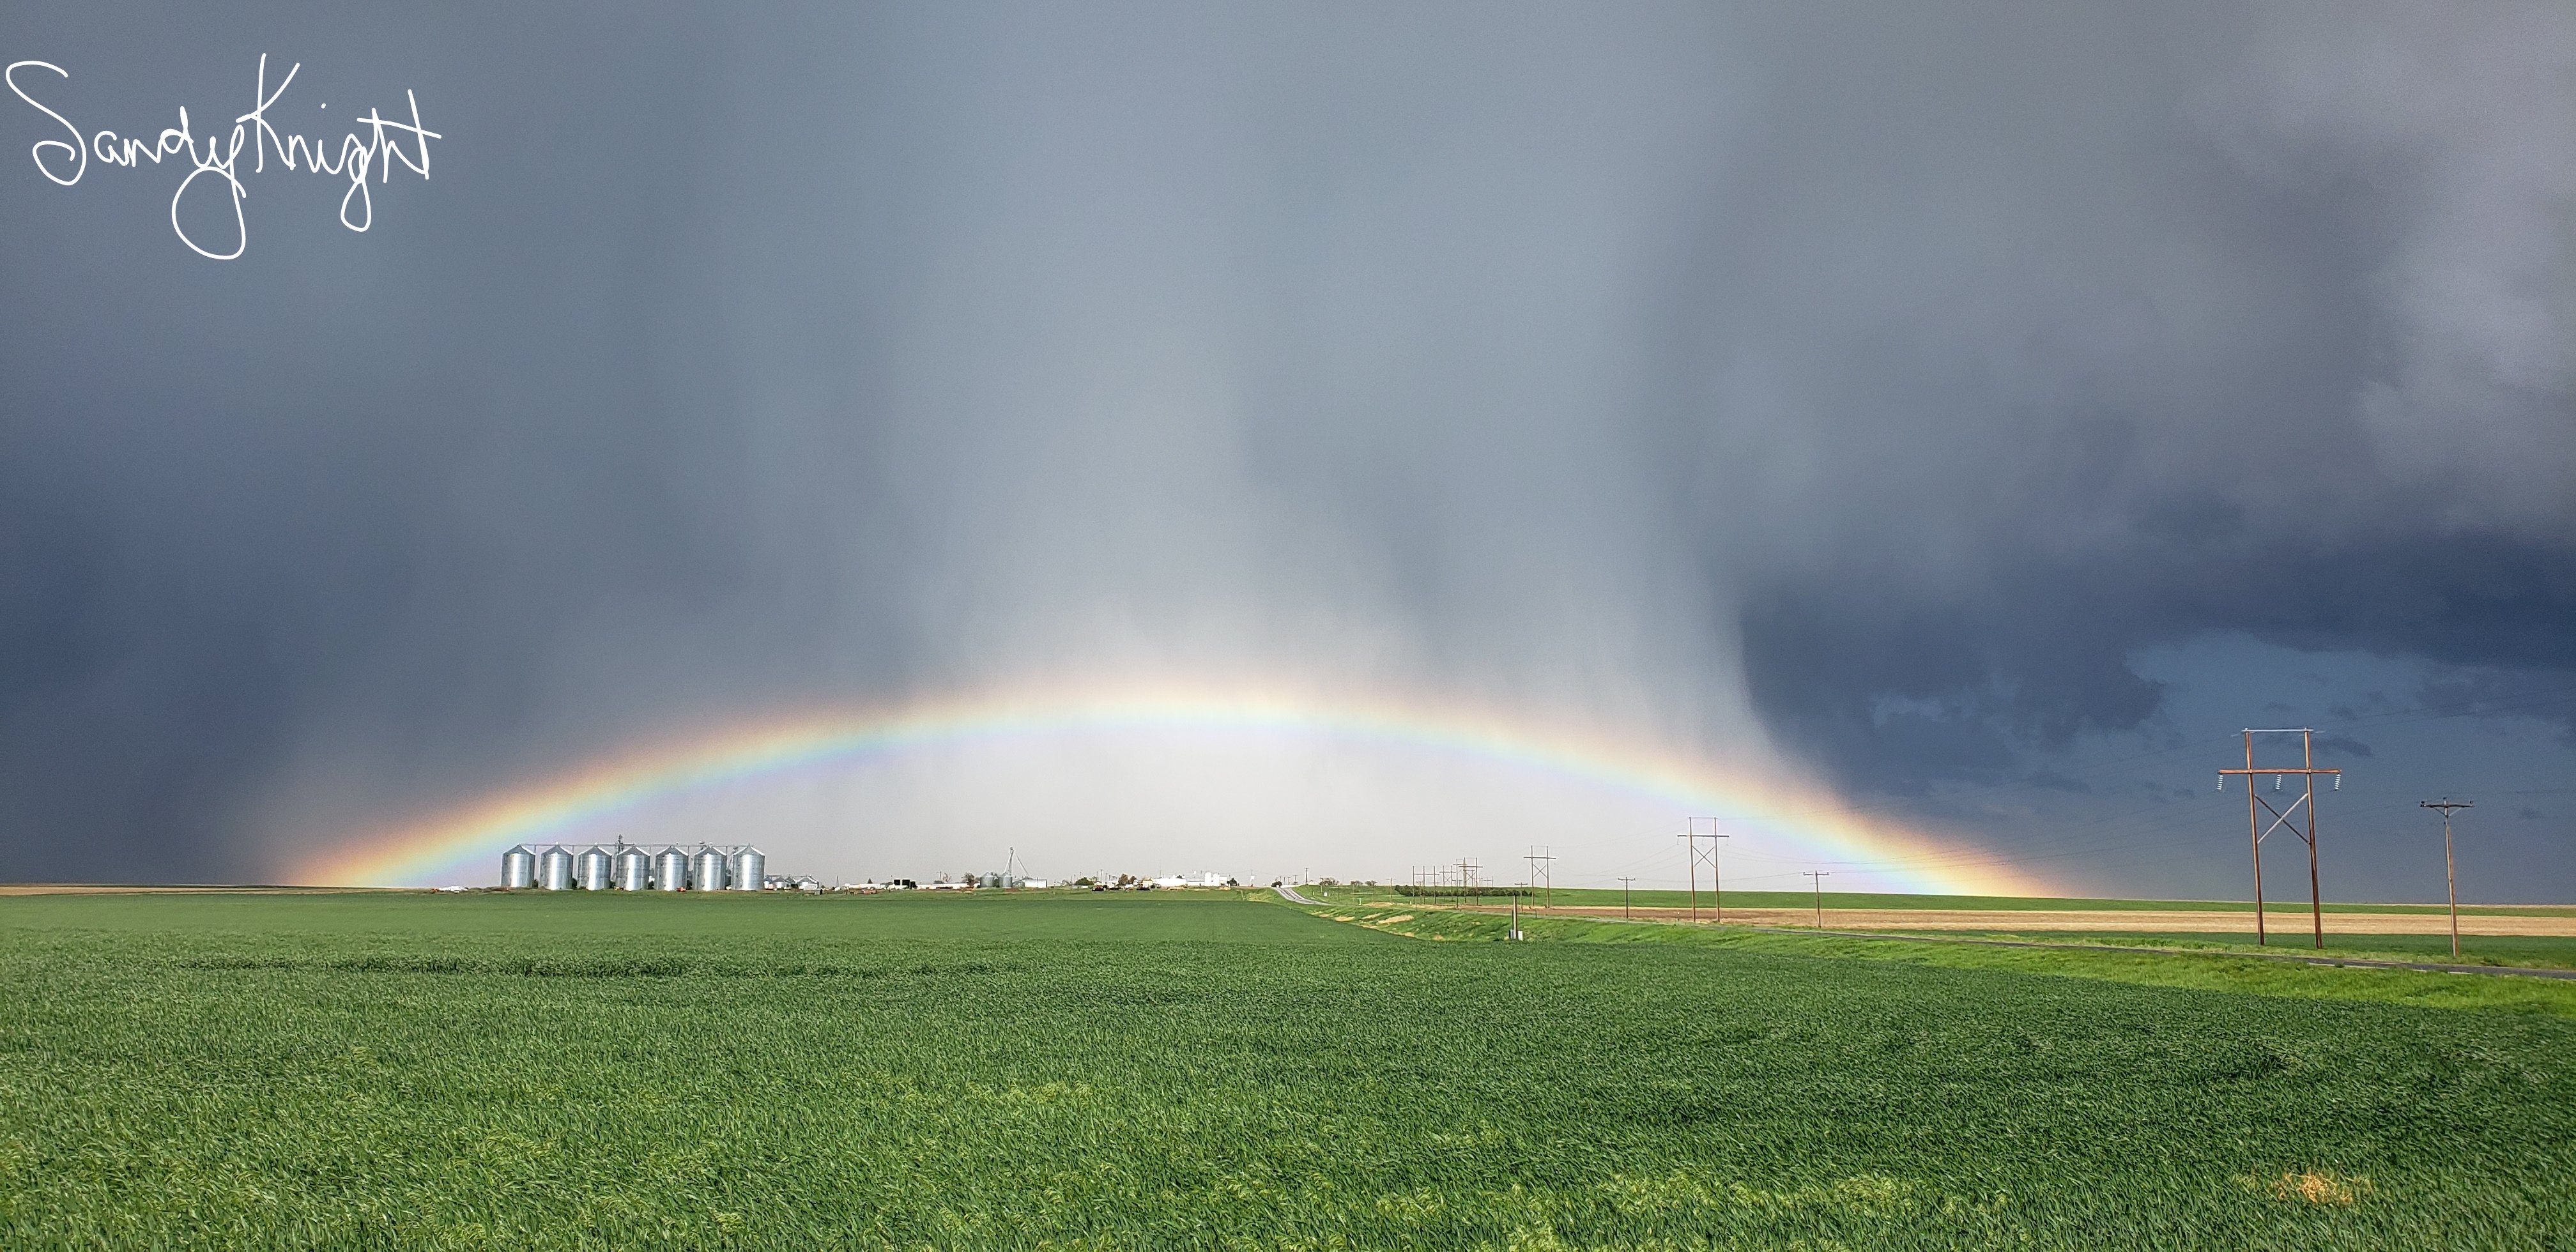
[[705, 867]]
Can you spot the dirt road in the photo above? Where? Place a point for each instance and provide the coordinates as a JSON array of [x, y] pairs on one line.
[[2282, 921]]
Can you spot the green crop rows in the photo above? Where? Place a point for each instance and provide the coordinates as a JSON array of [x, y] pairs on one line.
[[1206, 1071]]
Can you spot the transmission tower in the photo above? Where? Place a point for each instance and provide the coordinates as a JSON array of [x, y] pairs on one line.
[[1542, 871], [2451, 877], [2256, 805], [1690, 838]]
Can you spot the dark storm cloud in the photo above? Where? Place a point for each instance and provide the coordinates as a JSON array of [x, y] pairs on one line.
[[1898, 684], [407, 493], [1890, 373], [2542, 695], [2027, 376]]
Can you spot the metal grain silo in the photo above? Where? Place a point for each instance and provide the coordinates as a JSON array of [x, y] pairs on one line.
[[519, 868], [748, 865], [707, 870], [554, 870], [671, 870], [634, 869], [592, 869]]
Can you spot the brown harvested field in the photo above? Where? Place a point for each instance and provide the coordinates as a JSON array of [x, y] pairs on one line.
[[2556, 923]]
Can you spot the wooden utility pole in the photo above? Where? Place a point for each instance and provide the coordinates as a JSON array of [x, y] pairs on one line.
[[2307, 771], [1818, 877], [2451, 877], [1689, 851], [1623, 897]]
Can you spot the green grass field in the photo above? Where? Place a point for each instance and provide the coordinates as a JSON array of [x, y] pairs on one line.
[[1195, 1070]]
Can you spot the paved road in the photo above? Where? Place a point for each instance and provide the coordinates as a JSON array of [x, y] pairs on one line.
[[1290, 895], [2426, 967]]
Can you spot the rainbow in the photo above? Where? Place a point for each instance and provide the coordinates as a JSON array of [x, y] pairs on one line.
[[555, 809]]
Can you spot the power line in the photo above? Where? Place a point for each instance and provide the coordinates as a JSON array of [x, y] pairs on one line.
[[2116, 829], [2467, 708], [2397, 717]]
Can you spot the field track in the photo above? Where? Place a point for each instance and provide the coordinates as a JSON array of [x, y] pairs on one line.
[[2304, 958], [2283, 921]]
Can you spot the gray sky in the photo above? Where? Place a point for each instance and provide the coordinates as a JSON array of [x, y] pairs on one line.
[[1981, 410]]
